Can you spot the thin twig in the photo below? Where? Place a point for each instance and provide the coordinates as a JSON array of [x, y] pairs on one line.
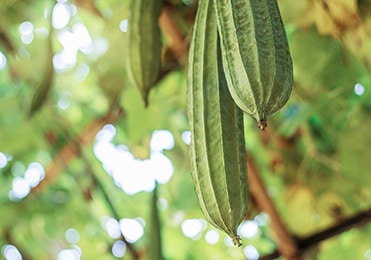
[[134, 253], [69, 152], [89, 169]]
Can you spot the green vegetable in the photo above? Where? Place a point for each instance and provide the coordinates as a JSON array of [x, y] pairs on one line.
[[256, 55], [217, 149], [143, 45]]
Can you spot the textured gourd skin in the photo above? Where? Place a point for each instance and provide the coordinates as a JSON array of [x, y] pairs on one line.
[[217, 149], [143, 45], [256, 55]]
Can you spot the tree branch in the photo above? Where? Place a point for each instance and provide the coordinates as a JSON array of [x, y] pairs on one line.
[[287, 245], [358, 220], [69, 151], [169, 26]]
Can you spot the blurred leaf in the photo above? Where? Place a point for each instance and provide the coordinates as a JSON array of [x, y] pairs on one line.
[[165, 100], [155, 240], [335, 16], [47, 79], [354, 146]]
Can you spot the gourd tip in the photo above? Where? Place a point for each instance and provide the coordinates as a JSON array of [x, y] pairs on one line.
[[236, 241], [262, 124]]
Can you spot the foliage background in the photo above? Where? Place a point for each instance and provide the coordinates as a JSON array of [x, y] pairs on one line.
[[313, 159]]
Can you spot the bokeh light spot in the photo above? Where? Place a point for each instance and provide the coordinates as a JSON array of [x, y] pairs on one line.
[[186, 137], [106, 134], [251, 252], [359, 89], [72, 236], [131, 174], [163, 204], [3, 160], [64, 102], [248, 229], [212, 237], [119, 249], [20, 188], [161, 167], [25, 28], [368, 255], [61, 16], [10, 252], [262, 219], [82, 38], [82, 71], [131, 229], [34, 174], [18, 169], [69, 254], [161, 139], [124, 25], [3, 61], [27, 39], [112, 227], [192, 227]]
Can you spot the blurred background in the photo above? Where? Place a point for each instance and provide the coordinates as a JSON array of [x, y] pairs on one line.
[[86, 172]]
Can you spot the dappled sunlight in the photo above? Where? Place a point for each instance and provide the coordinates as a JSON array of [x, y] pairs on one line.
[[82, 38], [26, 30], [34, 174], [64, 60], [262, 219], [118, 248], [73, 40], [251, 252], [163, 204], [23, 53], [161, 139], [3, 160], [70, 254], [25, 179], [72, 236], [112, 227], [161, 167], [212, 237], [124, 25], [131, 229], [192, 228], [186, 137], [18, 168], [248, 229], [10, 252], [107, 133], [134, 175], [82, 71], [20, 189], [3, 61], [359, 89], [61, 15], [368, 255], [64, 101]]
